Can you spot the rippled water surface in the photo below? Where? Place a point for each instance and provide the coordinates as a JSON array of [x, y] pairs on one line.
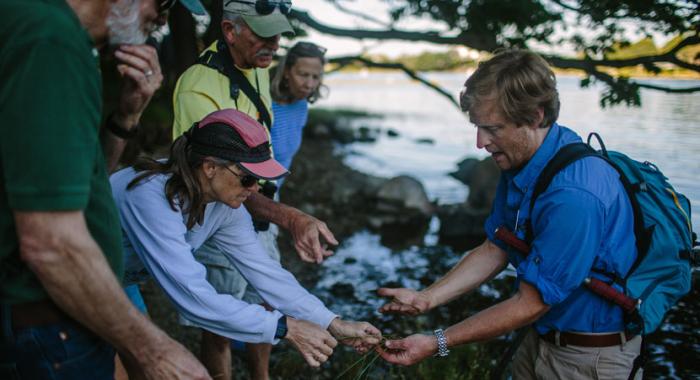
[[433, 135]]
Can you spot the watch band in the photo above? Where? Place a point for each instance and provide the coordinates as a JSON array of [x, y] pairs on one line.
[[119, 131], [442, 343], [281, 331]]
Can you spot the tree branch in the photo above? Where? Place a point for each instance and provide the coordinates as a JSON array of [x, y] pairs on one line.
[[344, 61], [361, 15], [465, 39]]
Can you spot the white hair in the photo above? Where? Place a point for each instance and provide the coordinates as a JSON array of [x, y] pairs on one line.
[[235, 19], [124, 23]]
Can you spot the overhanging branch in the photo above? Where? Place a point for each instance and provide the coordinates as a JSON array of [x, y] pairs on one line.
[[464, 39], [344, 61]]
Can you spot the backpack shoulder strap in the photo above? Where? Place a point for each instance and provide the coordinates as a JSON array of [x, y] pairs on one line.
[[223, 63], [563, 158]]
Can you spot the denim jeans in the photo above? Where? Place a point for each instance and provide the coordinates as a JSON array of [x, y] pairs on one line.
[[61, 351]]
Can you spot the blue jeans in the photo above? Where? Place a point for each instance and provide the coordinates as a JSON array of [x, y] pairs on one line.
[[61, 351]]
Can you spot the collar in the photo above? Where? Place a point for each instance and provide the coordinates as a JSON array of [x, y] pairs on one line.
[[525, 178]]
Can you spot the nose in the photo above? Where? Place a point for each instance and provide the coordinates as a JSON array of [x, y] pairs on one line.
[[162, 18], [273, 43], [482, 138]]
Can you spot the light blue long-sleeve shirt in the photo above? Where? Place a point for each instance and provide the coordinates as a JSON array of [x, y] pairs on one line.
[[156, 239]]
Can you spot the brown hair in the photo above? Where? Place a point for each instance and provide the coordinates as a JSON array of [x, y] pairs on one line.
[[520, 82], [182, 188], [279, 88]]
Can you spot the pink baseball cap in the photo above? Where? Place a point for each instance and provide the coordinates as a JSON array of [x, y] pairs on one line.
[[235, 136]]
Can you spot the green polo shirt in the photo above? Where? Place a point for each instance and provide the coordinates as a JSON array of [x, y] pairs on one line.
[[50, 156]]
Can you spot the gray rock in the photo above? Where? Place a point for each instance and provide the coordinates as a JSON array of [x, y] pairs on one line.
[[483, 180], [404, 193], [461, 221]]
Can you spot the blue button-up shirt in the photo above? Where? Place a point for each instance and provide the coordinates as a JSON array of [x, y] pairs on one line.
[[583, 221]]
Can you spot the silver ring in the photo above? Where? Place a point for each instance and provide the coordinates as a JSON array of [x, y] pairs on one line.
[[148, 73]]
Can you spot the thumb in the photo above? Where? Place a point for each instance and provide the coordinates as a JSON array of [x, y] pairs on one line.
[[399, 344], [387, 292]]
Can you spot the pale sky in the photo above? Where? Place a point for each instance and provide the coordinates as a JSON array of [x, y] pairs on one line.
[[328, 14]]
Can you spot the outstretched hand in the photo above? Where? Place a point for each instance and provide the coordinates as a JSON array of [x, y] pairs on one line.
[[408, 351], [361, 336], [311, 238], [404, 301]]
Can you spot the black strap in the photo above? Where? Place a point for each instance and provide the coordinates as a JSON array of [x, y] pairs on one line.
[[640, 360], [222, 62], [563, 158]]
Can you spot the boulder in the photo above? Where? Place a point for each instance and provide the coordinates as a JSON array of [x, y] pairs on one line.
[[482, 182], [404, 195]]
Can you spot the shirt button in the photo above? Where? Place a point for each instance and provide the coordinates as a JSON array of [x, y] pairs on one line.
[[537, 260]]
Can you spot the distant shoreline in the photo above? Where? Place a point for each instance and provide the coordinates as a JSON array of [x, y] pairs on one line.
[[558, 72]]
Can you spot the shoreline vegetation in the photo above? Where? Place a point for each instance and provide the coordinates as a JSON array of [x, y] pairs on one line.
[[452, 61]]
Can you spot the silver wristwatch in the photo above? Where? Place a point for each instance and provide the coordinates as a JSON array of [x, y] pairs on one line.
[[442, 343]]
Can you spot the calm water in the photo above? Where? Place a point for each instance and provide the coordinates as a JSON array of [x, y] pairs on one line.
[[666, 130]]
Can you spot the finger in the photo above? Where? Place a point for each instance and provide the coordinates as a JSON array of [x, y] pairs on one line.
[[148, 84], [311, 361], [388, 292], [325, 349], [321, 358], [331, 342], [370, 329], [327, 234], [132, 60], [145, 52], [304, 254]]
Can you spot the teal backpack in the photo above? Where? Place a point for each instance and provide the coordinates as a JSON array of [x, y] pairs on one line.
[[661, 274]]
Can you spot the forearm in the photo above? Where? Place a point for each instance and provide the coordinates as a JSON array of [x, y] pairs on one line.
[[475, 268], [112, 145], [78, 279], [523, 308], [264, 208]]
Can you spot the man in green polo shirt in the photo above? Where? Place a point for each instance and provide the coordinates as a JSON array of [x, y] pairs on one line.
[[60, 246]]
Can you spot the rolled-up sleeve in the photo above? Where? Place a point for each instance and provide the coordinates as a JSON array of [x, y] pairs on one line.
[[568, 230], [237, 239], [158, 236]]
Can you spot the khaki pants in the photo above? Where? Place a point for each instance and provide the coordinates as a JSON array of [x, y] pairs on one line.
[[537, 359]]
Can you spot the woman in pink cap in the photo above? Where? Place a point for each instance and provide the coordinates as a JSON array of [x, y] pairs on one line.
[[170, 208]]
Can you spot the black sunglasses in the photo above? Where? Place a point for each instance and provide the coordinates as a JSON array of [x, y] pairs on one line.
[[246, 180], [265, 7], [165, 5]]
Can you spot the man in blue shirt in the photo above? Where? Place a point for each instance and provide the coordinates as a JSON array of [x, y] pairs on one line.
[[582, 225]]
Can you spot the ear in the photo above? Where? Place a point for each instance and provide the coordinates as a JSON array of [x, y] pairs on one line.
[[229, 31], [540, 117], [208, 169]]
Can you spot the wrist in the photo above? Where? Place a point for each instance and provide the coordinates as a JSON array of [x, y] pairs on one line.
[[122, 126], [440, 343], [333, 326], [429, 299], [282, 329]]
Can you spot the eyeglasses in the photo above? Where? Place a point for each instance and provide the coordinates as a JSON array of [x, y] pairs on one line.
[[165, 5], [265, 7], [246, 180]]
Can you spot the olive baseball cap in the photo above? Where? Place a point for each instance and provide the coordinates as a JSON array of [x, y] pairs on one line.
[[266, 18]]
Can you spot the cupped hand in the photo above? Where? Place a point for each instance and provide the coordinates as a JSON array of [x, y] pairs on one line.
[[314, 343], [361, 336], [139, 67], [311, 238], [410, 350], [404, 301]]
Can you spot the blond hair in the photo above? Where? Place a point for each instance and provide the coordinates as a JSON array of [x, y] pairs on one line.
[[520, 82]]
